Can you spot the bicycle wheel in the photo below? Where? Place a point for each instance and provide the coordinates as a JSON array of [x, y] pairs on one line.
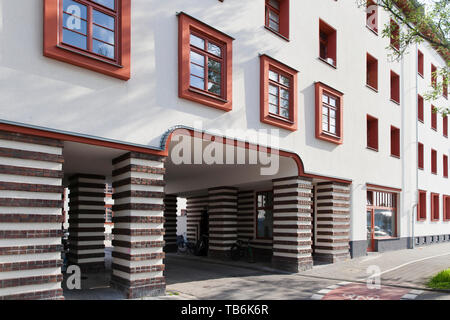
[[235, 252]]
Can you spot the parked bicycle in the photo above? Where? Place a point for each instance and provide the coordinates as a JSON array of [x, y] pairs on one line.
[[239, 250], [185, 246]]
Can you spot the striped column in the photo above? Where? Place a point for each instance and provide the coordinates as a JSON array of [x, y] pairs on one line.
[[222, 212], [246, 215], [137, 264], [30, 217], [292, 224], [332, 222], [170, 223], [194, 208], [87, 222]]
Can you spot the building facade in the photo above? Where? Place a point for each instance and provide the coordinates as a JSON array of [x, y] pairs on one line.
[[131, 93]]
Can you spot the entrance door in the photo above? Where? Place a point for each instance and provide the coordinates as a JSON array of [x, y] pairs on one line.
[[370, 231]]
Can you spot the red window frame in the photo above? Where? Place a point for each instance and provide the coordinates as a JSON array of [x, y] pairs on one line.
[[372, 15], [420, 150], [257, 193], [445, 166], [433, 161], [444, 87], [186, 26], [395, 34], [395, 142], [119, 67], [433, 118], [269, 64], [283, 18], [327, 43], [420, 108], [445, 126], [433, 76], [435, 216], [375, 200], [422, 206], [371, 72], [372, 133], [446, 206], [420, 62], [395, 87], [326, 135]]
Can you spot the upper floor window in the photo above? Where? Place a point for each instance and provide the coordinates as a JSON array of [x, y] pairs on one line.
[[445, 126], [327, 43], [278, 94], [445, 87], [205, 64], [420, 107], [89, 33], [422, 206], [395, 142], [395, 35], [277, 17], [434, 117], [420, 60], [329, 117], [433, 161], [433, 76], [445, 165], [395, 87], [446, 206], [372, 133], [420, 152], [372, 72], [435, 207], [372, 15]]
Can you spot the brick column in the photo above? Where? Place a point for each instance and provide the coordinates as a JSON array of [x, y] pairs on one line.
[[30, 217], [137, 265], [333, 222], [194, 208], [222, 212], [170, 223], [292, 224], [87, 222]]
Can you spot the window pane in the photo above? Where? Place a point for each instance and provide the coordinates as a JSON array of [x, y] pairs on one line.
[[197, 70], [333, 102], [103, 34], [325, 99], [285, 81], [273, 76], [214, 71], [106, 3], [74, 39], [285, 113], [273, 16], [275, 4], [103, 19], [273, 109], [384, 223], [74, 23], [273, 99], [325, 111], [273, 25], [333, 129], [333, 114], [103, 49], [215, 50], [75, 8], [273, 90], [285, 94], [198, 42], [197, 82], [324, 126], [197, 58], [214, 88], [285, 103], [333, 122], [265, 223]]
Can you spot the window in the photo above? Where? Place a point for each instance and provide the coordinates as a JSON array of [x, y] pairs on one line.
[[205, 64], [420, 62], [329, 114], [433, 161], [372, 72], [372, 16], [445, 126], [372, 133], [382, 209], [395, 142], [433, 76], [446, 206], [433, 118], [327, 43], [422, 206], [108, 215], [445, 165], [264, 212], [277, 17], [94, 34], [420, 107], [420, 155], [395, 87], [395, 35], [445, 87], [435, 207], [278, 94]]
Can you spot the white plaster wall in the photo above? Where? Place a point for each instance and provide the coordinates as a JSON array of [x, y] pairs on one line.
[[41, 91]]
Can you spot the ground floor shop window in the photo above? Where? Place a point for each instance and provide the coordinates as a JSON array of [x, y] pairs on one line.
[[381, 216], [264, 214]]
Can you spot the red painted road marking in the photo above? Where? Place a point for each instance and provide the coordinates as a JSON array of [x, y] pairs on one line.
[[359, 291]]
